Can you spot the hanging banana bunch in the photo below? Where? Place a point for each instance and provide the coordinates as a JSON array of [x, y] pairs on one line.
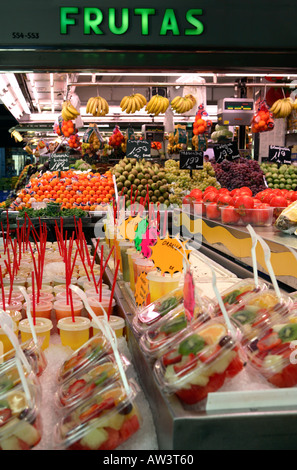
[[282, 108], [69, 112], [97, 106], [183, 104], [133, 103], [157, 105]]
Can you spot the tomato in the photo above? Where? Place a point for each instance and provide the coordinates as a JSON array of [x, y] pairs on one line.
[[225, 200], [212, 211], [211, 189], [246, 190], [196, 194], [294, 196], [199, 208], [229, 215], [224, 191], [261, 214], [210, 196], [278, 201], [244, 202]]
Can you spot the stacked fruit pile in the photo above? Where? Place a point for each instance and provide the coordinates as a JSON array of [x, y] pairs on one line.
[[240, 173], [71, 189], [284, 177]]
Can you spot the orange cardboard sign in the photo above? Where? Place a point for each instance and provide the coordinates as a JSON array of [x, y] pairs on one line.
[[141, 290], [168, 254], [128, 227]]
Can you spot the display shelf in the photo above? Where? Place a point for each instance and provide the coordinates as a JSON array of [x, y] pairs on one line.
[[187, 428]]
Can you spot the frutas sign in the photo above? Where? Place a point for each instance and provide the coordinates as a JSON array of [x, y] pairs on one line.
[[118, 22]]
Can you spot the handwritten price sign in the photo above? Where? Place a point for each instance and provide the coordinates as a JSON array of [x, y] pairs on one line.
[[280, 155], [59, 162], [191, 160], [138, 149]]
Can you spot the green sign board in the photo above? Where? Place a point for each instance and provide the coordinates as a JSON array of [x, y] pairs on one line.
[[196, 25]]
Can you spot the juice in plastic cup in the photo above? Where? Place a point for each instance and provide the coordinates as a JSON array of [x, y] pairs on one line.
[[15, 295], [74, 333], [46, 296], [63, 310], [43, 309], [96, 305], [124, 246], [42, 329], [17, 317], [117, 324], [144, 266], [160, 285], [132, 268], [7, 346], [117, 251], [92, 292], [13, 306], [63, 296], [44, 288]]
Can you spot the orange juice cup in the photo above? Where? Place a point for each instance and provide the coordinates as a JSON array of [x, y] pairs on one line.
[[117, 324], [92, 292], [63, 310], [46, 296], [43, 309], [96, 305], [160, 285], [42, 327], [74, 333], [5, 341], [63, 296]]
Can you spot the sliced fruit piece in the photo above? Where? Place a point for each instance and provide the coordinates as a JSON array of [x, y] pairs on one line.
[[129, 427], [11, 443], [191, 345], [27, 433], [94, 439], [213, 333], [288, 333]]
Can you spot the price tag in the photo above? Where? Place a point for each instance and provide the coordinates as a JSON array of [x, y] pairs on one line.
[[280, 155], [138, 149], [59, 162], [228, 151], [191, 160], [168, 255], [141, 290]]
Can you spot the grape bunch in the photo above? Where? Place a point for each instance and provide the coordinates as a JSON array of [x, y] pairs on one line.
[[241, 172]]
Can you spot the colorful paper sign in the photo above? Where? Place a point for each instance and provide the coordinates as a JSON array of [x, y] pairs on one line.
[[141, 290], [168, 255]]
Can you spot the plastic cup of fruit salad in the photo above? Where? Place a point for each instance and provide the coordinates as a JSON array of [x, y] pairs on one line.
[[74, 332], [92, 380], [103, 422], [86, 356], [199, 362], [160, 337], [34, 355], [20, 420], [258, 311], [42, 327], [235, 294], [5, 341], [156, 310]]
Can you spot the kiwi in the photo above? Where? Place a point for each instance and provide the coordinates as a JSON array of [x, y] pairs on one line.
[[288, 333]]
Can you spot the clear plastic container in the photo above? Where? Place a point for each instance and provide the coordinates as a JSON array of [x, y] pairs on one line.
[[44, 296], [86, 356], [34, 354], [20, 419], [153, 312], [199, 363], [96, 306], [74, 333], [92, 292], [7, 346], [236, 293], [257, 217], [165, 332], [259, 311], [13, 306], [44, 288], [42, 328], [117, 324], [64, 310], [102, 422], [90, 381], [16, 295], [273, 352]]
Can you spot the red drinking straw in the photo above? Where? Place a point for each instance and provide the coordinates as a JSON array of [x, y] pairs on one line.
[[2, 288], [33, 299], [113, 288], [101, 273]]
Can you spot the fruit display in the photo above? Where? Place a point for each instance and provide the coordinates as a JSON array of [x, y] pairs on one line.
[[97, 106], [131, 104], [262, 120], [283, 177], [201, 125], [287, 219], [102, 422], [117, 138], [65, 128], [139, 179], [177, 140], [183, 104], [74, 142], [69, 112], [239, 173], [199, 363], [70, 189], [282, 108], [157, 105]]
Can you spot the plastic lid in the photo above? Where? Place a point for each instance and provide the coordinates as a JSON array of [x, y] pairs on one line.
[[157, 276], [115, 322], [198, 355], [94, 301], [41, 305], [144, 262], [93, 350], [62, 295], [79, 324], [13, 305], [61, 304], [89, 381], [42, 325], [104, 410]]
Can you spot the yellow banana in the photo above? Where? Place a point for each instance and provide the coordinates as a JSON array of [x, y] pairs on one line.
[[95, 106], [175, 101], [106, 107], [72, 109], [138, 103], [88, 106], [99, 106], [124, 103], [142, 99], [152, 104], [129, 107], [276, 107]]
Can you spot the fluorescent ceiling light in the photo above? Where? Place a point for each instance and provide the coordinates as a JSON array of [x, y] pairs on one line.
[[18, 92]]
